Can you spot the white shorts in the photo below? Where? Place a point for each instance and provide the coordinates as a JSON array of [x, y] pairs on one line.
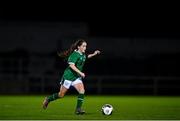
[[68, 83]]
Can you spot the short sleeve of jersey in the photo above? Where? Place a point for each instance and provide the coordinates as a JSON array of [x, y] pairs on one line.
[[73, 58]]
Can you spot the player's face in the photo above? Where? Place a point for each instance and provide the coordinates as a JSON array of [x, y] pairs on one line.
[[82, 48]]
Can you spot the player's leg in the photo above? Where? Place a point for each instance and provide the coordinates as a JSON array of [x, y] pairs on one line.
[[63, 89], [79, 86], [54, 96], [58, 95]]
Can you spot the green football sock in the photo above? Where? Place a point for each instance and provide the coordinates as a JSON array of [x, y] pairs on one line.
[[53, 97], [80, 100]]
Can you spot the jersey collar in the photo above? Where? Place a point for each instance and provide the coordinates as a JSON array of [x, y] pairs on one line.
[[78, 52]]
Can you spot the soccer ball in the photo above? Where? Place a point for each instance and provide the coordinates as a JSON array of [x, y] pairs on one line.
[[107, 109]]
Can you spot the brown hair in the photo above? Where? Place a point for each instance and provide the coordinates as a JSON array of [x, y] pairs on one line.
[[73, 47]]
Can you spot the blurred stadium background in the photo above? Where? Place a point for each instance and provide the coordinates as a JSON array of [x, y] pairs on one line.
[[136, 59]]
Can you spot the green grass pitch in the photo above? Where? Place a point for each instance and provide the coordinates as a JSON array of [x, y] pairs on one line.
[[125, 108]]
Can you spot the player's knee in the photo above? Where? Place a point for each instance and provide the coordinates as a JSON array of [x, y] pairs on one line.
[[82, 91], [61, 94]]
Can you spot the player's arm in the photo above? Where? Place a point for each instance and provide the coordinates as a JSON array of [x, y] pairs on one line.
[[94, 54], [74, 68]]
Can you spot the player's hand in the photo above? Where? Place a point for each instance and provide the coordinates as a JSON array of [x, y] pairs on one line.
[[82, 75], [97, 52]]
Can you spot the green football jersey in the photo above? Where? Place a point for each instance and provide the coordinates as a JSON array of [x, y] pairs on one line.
[[78, 59]]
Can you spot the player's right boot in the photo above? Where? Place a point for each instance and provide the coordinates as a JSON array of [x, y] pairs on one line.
[[45, 103]]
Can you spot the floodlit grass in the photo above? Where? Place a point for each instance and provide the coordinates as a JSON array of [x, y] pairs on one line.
[[125, 107]]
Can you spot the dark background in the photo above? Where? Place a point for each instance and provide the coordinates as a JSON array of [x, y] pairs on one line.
[[140, 50]]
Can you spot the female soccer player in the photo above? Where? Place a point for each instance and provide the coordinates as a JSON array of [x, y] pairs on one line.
[[73, 74]]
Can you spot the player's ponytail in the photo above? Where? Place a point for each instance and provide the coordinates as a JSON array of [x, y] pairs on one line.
[[73, 47]]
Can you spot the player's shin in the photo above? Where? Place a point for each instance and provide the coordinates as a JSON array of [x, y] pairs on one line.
[[80, 100], [53, 97]]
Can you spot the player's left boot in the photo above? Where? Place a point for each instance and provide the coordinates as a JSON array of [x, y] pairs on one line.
[[79, 111]]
